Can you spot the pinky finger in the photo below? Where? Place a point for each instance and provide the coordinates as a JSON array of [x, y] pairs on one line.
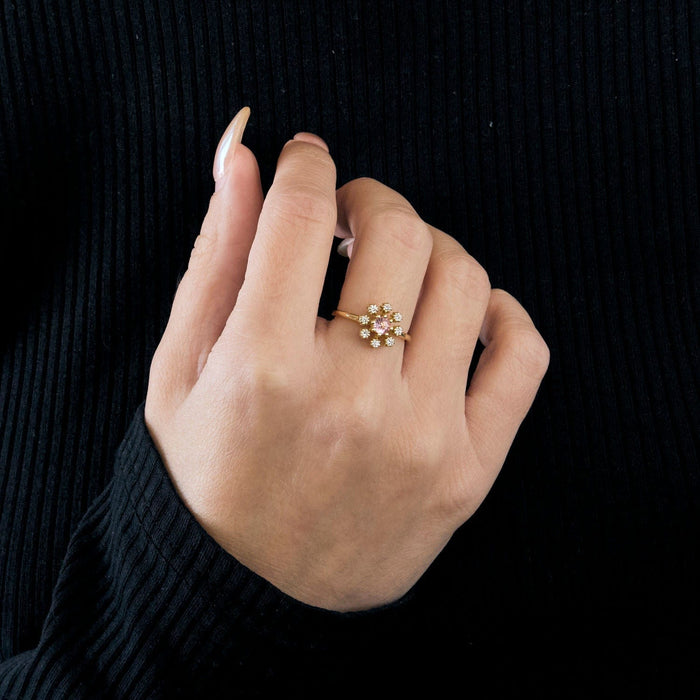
[[506, 380]]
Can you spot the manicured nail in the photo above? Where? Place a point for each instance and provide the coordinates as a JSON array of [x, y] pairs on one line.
[[226, 149], [345, 247]]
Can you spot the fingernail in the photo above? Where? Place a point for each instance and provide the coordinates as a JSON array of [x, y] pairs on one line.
[[345, 247], [226, 149], [311, 138]]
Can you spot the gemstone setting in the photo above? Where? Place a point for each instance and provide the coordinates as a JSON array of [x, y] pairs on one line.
[[380, 325]]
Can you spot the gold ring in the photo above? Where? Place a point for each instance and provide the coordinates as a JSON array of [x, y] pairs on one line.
[[380, 322]]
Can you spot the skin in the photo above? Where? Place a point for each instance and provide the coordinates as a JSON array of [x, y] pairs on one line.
[[336, 471]]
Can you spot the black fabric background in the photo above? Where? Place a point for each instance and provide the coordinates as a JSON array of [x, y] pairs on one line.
[[557, 141]]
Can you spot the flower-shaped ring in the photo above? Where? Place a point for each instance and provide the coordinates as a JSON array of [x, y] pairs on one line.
[[380, 323]]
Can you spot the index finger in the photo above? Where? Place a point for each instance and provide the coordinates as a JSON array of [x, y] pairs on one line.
[[289, 255]]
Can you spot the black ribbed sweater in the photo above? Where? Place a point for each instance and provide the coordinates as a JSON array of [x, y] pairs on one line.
[[557, 140]]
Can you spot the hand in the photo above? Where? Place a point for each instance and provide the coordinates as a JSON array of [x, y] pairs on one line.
[[335, 470]]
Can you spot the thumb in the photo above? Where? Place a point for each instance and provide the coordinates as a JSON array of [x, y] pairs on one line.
[[209, 288]]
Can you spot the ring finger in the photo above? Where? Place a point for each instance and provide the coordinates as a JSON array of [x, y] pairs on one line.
[[391, 253]]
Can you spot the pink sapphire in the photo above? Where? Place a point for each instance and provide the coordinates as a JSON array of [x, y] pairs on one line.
[[381, 325]]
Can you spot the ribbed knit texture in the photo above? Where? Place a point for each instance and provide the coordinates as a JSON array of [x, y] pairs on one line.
[[558, 141]]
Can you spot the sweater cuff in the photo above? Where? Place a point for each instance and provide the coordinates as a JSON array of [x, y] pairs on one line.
[[214, 614]]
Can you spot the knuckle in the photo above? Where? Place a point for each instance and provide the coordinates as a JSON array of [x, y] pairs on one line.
[[269, 379], [465, 274], [521, 341], [253, 378], [363, 414], [261, 391], [361, 185], [454, 501], [531, 353], [501, 298], [405, 227], [305, 203]]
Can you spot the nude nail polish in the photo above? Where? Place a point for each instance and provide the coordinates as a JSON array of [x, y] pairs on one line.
[[226, 149], [345, 247]]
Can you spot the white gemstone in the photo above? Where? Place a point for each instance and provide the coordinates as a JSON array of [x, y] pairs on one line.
[[389, 341], [375, 342], [386, 307], [373, 308], [397, 316], [398, 330], [364, 333]]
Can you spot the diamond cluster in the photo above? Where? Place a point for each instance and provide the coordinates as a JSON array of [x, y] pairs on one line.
[[378, 326]]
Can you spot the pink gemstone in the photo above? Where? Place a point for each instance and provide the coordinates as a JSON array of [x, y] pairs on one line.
[[381, 325]]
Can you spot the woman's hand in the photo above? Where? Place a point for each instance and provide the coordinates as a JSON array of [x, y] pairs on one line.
[[335, 470]]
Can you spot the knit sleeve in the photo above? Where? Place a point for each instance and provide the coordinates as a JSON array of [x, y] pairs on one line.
[[148, 605]]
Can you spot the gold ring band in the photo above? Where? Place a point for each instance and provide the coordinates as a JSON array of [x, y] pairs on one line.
[[381, 325]]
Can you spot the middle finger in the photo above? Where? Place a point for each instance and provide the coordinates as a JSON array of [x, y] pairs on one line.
[[289, 255]]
